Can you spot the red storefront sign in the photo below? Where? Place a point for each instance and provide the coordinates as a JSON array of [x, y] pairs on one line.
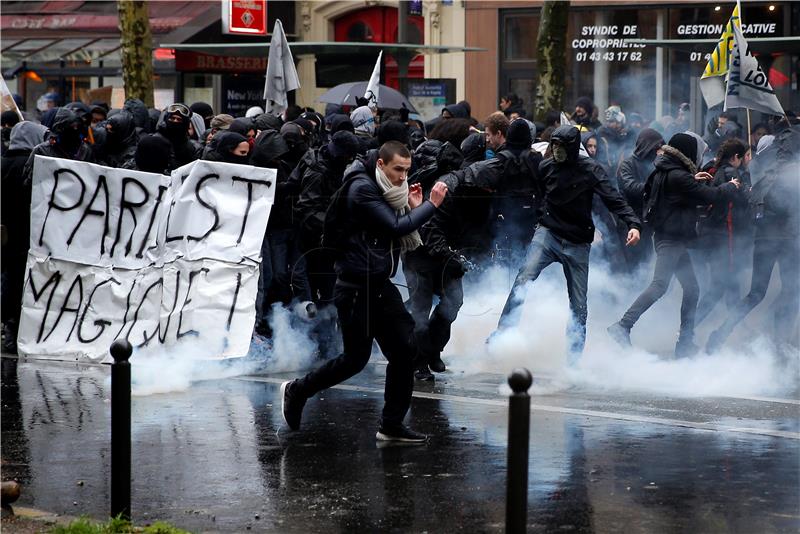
[[247, 17], [197, 62]]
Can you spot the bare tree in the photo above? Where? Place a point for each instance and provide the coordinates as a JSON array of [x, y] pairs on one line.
[[551, 56], [137, 50]]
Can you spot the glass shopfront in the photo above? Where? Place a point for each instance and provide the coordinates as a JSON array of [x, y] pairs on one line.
[[603, 66]]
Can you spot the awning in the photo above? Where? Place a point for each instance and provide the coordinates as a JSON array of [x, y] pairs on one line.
[[766, 45], [320, 48]]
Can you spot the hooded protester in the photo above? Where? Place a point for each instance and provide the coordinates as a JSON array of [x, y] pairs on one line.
[[376, 217], [48, 117], [584, 114], [267, 121], [197, 128], [332, 109], [776, 214], [141, 116], [764, 157], [7, 121], [473, 148], [152, 154], [416, 135], [455, 111], [99, 113], [204, 111], [65, 142], [174, 127], [15, 219], [589, 141], [364, 125], [632, 177], [672, 193], [392, 131], [244, 126], [338, 122], [568, 184], [121, 138], [229, 147]]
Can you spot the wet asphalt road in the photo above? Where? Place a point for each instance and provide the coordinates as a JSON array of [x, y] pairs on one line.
[[216, 457]]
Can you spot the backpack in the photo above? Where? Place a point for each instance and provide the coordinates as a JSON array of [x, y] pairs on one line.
[[334, 229], [518, 171], [652, 199]]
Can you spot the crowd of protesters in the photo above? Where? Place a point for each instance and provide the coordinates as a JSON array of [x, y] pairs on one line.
[[362, 193]]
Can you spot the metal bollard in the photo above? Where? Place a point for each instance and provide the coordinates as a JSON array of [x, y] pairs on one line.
[[519, 411], [121, 429]]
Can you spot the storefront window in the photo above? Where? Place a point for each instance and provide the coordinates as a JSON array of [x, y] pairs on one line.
[[520, 33]]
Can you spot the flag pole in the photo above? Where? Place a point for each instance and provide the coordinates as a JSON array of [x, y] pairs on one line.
[[741, 18]]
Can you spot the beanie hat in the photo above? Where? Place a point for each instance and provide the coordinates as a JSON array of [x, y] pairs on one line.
[[586, 103], [203, 109], [685, 144], [305, 124], [519, 134], [222, 121], [392, 131], [343, 145]]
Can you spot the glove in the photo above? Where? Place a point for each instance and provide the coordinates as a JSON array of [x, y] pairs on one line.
[[457, 266]]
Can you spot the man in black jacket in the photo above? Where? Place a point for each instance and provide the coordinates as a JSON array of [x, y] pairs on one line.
[[565, 232], [672, 196], [174, 127], [379, 216]]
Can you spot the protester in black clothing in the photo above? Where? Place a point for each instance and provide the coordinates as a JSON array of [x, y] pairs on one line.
[[776, 208], [174, 127], [65, 141], [121, 139], [152, 155], [672, 194], [229, 147], [725, 232], [473, 148], [15, 219], [205, 111], [584, 114], [614, 143], [568, 184], [378, 217], [632, 177], [7, 121], [141, 116]]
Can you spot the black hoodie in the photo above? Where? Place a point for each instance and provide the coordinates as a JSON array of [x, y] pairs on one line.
[[119, 146], [568, 189], [634, 170]]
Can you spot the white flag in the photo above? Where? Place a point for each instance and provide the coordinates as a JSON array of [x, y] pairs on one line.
[[565, 119], [373, 87], [748, 85], [281, 73]]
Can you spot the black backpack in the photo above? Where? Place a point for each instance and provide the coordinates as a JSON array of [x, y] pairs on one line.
[[518, 171], [652, 213], [335, 230]]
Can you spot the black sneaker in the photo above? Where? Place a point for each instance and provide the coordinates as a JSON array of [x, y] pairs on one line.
[[424, 374], [291, 405], [400, 433], [620, 334], [437, 365]]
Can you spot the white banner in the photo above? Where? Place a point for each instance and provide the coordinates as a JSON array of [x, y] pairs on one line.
[[150, 258]]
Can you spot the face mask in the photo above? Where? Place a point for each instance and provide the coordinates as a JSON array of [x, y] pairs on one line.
[[489, 153], [241, 160], [176, 131], [70, 140], [559, 153]]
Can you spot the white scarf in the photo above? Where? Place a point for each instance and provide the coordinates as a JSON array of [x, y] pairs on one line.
[[397, 197]]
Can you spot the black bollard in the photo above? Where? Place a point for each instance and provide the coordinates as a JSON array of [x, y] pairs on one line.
[[121, 429], [519, 412]]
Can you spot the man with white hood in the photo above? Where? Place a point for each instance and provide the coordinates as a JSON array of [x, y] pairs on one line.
[[672, 194]]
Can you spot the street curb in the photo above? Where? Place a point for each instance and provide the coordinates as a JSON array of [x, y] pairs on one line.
[[34, 514]]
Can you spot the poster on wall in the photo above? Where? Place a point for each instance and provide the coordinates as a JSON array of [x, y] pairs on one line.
[[157, 260], [430, 95]]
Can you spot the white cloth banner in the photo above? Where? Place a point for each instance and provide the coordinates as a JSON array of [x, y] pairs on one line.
[[373, 92], [151, 258], [748, 85]]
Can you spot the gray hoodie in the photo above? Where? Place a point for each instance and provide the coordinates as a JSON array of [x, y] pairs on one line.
[[26, 134]]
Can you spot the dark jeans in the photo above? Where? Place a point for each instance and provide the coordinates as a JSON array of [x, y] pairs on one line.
[[766, 254], [367, 313], [723, 266], [289, 278], [547, 248], [672, 258], [432, 330]]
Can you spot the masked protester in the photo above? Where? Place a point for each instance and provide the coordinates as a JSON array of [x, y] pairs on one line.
[[141, 115], [174, 127], [568, 184], [152, 154], [119, 145], [15, 218], [65, 141], [614, 142], [725, 232], [775, 207], [364, 124], [204, 111], [632, 178], [7, 121], [229, 147], [672, 194], [373, 218]]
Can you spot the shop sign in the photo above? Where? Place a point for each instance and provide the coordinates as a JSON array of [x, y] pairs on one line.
[[248, 17], [198, 62], [240, 93]]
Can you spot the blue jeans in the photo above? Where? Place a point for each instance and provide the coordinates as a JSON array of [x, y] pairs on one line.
[[547, 248]]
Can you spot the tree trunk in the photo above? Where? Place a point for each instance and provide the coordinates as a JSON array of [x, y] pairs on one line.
[[551, 57], [137, 50]]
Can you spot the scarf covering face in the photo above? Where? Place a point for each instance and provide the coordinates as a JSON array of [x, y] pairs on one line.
[[397, 197]]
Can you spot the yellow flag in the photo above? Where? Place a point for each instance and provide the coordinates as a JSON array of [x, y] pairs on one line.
[[720, 57]]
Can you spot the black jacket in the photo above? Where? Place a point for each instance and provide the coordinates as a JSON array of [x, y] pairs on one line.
[[633, 175], [371, 250], [568, 188], [732, 215], [15, 213], [321, 178], [680, 195], [119, 148]]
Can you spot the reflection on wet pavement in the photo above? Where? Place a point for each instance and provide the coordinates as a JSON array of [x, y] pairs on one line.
[[217, 458]]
